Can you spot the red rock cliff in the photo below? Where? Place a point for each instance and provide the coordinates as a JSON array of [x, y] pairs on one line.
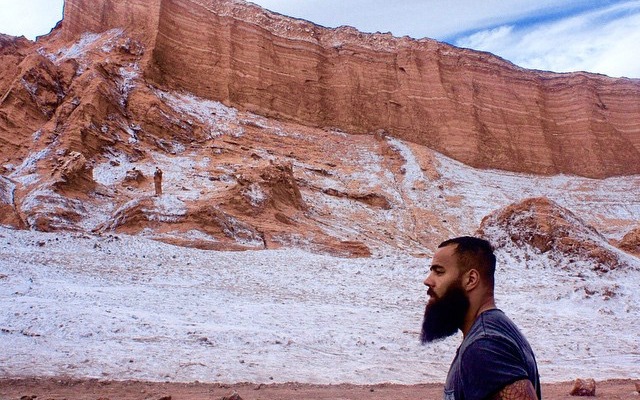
[[469, 105]]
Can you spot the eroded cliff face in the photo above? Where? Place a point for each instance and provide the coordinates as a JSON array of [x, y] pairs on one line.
[[136, 16], [471, 106]]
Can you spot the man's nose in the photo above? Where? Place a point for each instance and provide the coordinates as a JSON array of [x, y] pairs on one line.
[[428, 282]]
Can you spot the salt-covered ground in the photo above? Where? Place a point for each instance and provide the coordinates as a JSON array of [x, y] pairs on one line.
[[122, 307]]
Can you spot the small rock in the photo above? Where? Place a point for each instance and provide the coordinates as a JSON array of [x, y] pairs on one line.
[[584, 387], [134, 175], [165, 398], [234, 396]]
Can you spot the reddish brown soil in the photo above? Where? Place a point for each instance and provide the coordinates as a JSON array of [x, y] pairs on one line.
[[60, 388]]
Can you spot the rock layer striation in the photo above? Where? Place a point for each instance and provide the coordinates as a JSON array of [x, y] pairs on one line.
[[469, 105]]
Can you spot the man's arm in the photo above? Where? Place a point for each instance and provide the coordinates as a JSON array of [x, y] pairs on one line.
[[519, 390]]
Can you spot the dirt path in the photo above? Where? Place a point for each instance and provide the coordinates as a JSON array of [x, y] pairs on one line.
[[58, 389]]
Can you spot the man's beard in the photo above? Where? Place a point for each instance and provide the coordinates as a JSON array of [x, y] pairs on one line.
[[445, 315]]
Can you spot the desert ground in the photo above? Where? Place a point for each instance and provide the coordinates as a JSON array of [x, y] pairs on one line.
[[60, 388]]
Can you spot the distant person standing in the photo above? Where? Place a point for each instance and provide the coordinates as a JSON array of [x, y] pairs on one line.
[[157, 181], [494, 360]]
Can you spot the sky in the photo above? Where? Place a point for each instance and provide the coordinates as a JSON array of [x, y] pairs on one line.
[[598, 36]]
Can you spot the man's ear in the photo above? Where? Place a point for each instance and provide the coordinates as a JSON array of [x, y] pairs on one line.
[[471, 279]]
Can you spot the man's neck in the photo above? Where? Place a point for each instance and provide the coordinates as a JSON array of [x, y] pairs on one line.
[[474, 312]]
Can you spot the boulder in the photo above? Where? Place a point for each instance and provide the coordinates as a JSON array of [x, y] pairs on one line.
[[233, 396], [584, 387]]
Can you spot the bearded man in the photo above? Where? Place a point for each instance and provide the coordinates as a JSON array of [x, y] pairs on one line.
[[494, 360]]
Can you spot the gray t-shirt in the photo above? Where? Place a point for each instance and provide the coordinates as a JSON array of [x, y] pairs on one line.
[[493, 354]]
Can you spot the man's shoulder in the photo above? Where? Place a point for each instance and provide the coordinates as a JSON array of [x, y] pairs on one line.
[[493, 321], [493, 355], [495, 337]]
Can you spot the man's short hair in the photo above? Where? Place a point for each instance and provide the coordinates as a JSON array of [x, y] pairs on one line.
[[474, 253]]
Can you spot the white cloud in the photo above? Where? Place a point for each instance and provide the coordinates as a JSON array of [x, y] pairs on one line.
[[599, 41]]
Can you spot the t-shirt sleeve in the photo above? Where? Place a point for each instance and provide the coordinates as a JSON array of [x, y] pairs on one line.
[[488, 365]]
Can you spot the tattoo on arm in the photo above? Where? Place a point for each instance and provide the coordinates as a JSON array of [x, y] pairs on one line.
[[520, 390]]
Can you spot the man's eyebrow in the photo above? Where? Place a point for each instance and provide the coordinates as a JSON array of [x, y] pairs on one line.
[[436, 267]]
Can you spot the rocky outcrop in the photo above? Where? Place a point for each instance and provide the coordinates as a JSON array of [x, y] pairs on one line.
[[8, 212], [371, 199], [469, 105], [631, 242], [545, 227], [134, 177], [271, 187], [12, 51], [27, 103], [219, 230], [73, 173], [264, 209]]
